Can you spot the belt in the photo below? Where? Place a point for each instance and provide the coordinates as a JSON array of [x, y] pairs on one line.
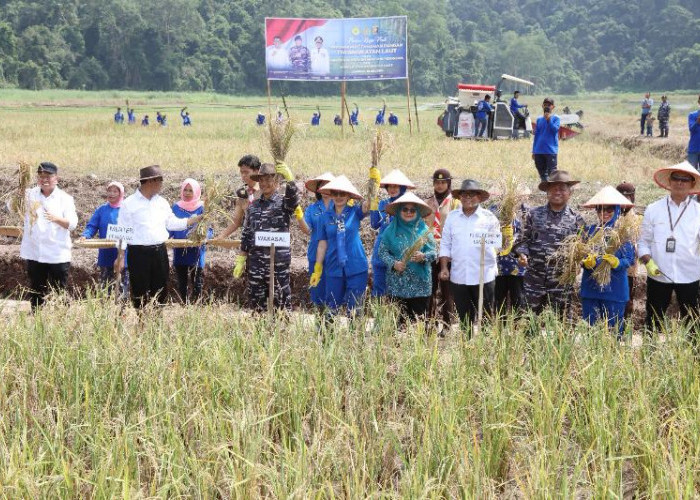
[[148, 247]]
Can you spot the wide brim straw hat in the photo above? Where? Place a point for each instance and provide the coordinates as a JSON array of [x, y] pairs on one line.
[[663, 176], [472, 185], [150, 172], [312, 184], [409, 197], [397, 178], [608, 196], [559, 176], [341, 183]]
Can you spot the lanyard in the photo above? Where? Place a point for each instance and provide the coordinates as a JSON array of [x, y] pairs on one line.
[[670, 222]]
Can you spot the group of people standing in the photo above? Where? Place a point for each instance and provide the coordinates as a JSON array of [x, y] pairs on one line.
[[161, 118]]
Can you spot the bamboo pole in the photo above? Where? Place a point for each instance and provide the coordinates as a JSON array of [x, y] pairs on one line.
[[271, 299], [343, 105], [480, 313]]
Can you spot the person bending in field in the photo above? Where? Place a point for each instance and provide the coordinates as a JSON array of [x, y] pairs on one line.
[[97, 225], [46, 245], [144, 121], [260, 119], [393, 119], [189, 262], [337, 121]]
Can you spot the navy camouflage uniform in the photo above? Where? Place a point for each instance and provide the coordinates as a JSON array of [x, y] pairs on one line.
[[544, 231], [271, 214], [300, 57], [663, 116]]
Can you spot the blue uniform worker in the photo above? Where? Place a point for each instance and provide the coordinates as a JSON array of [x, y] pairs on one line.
[[354, 117], [131, 116], [185, 115], [313, 216], [379, 119], [316, 119], [119, 116], [483, 109], [393, 119], [260, 120]]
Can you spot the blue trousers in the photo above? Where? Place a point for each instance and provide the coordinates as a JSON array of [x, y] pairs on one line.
[[378, 280], [596, 309], [318, 293], [694, 160], [345, 291], [481, 126]]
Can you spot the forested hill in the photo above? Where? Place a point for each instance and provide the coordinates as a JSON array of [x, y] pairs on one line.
[[564, 46]]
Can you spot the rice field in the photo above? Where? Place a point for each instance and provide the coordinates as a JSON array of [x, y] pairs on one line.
[[213, 402]]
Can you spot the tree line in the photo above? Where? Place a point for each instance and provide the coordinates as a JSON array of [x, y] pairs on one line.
[[218, 45]]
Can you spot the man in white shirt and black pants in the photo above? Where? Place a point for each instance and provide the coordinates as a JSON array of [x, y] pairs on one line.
[[457, 247], [669, 244], [46, 245], [150, 217]]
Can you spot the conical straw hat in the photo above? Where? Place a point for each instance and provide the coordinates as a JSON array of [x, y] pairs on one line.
[[608, 196], [663, 176], [409, 197], [341, 183], [312, 184], [398, 178]]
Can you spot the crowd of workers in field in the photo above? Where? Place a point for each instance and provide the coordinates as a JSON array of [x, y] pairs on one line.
[[426, 255]]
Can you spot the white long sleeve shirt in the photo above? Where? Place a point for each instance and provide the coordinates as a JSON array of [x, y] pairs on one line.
[[683, 265], [150, 219], [42, 240], [458, 236]]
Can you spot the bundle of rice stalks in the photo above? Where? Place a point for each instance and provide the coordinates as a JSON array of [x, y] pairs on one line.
[[18, 196], [568, 256], [510, 202], [421, 240], [280, 136], [378, 150], [215, 194], [626, 230]]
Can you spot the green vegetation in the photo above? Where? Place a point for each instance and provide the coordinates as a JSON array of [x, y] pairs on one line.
[[210, 402], [204, 45]]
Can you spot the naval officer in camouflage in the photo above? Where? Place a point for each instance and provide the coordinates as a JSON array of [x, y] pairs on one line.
[[271, 212], [544, 230]]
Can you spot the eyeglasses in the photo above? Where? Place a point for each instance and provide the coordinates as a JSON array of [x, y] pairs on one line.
[[408, 210], [681, 179], [606, 208]]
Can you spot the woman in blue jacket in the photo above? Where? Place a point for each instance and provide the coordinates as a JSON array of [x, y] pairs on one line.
[[340, 253], [396, 184], [607, 302], [313, 216], [97, 225], [189, 262]]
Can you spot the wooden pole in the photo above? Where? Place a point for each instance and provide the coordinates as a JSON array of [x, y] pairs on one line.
[[480, 314], [342, 109], [408, 105], [118, 274], [352, 127], [271, 299], [415, 101]]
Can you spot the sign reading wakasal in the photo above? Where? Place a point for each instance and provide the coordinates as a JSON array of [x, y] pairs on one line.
[[336, 49]]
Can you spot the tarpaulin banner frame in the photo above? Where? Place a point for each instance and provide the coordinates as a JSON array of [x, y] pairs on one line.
[[335, 50]]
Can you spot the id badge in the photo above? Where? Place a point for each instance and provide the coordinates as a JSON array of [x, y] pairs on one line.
[[671, 245]]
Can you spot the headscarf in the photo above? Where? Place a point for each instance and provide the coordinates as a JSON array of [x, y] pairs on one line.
[[195, 202], [400, 235], [120, 187]]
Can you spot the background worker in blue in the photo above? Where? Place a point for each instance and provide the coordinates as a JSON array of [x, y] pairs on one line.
[[119, 116], [379, 119], [260, 119], [694, 141], [97, 225], [340, 253], [145, 122], [354, 116], [131, 116], [483, 109], [338, 121], [185, 115], [163, 120], [393, 119], [316, 119], [545, 147], [518, 118], [396, 184], [159, 118], [189, 262], [607, 302], [313, 216]]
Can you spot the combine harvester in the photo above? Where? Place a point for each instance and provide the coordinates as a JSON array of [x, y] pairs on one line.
[[458, 120]]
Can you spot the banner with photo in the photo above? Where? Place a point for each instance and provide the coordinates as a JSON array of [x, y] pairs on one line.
[[336, 49]]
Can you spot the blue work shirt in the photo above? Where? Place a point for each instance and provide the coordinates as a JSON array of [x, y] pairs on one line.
[[193, 255], [260, 120], [353, 118], [313, 216], [515, 106], [103, 216], [316, 120], [393, 120], [694, 127], [132, 117], [483, 109], [119, 117], [618, 289], [357, 260], [546, 136]]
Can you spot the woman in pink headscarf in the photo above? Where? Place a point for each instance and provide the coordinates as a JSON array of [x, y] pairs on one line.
[[97, 225], [189, 262]]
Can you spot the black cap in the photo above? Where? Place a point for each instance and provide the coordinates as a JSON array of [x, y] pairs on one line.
[[48, 167]]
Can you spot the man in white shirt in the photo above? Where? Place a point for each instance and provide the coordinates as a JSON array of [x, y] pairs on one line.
[[277, 56], [320, 59], [150, 217], [460, 247], [669, 244], [46, 245]]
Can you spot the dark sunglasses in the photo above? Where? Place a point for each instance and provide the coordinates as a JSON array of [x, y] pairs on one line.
[[409, 210], [681, 179], [607, 208]]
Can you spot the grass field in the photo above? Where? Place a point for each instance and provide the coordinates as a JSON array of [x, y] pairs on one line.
[[211, 402]]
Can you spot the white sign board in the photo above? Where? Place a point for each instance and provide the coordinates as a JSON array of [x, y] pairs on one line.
[[266, 239], [491, 240], [115, 232]]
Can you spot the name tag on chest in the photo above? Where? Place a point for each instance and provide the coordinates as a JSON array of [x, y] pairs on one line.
[[116, 232], [268, 238]]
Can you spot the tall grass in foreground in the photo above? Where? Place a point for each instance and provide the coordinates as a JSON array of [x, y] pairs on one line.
[[212, 402]]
